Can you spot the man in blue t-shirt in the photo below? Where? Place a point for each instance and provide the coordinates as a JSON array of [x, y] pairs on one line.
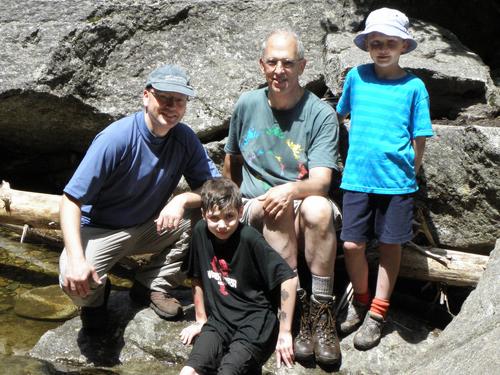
[[115, 204], [282, 148]]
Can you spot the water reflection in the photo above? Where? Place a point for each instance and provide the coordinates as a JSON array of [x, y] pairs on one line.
[[22, 267]]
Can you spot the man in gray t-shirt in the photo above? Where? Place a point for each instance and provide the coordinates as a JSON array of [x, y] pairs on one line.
[[282, 148]]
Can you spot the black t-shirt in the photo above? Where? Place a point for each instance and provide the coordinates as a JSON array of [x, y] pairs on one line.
[[240, 278]]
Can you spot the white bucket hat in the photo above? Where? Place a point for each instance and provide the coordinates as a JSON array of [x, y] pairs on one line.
[[389, 22]]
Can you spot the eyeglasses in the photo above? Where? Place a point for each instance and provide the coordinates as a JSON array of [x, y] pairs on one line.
[[169, 100], [285, 63]]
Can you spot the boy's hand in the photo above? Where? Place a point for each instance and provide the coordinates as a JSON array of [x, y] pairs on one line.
[[189, 333], [284, 350]]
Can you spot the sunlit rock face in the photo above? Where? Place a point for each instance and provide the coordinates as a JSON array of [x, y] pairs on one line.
[[69, 68]]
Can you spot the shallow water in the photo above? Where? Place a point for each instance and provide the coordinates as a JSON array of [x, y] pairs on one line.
[[22, 267]]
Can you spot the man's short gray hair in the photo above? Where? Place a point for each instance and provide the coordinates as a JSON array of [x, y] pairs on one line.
[[300, 46]]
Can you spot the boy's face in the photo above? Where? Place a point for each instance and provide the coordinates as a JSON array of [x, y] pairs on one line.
[[222, 224], [385, 50]]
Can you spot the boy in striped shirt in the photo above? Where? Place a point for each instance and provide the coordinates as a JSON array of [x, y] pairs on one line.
[[390, 120]]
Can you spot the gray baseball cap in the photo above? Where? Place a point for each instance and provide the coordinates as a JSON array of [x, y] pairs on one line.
[[170, 78]]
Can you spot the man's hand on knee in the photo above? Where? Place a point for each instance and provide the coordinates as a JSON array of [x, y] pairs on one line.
[[78, 277], [277, 200]]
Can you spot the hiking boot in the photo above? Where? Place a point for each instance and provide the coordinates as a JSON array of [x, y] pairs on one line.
[[352, 318], [370, 332], [95, 319], [325, 339], [162, 303], [303, 344]]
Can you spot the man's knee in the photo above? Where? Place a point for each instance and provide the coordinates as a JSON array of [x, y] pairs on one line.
[[317, 211], [354, 247]]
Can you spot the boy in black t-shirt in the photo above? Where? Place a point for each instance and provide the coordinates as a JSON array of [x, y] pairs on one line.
[[235, 278]]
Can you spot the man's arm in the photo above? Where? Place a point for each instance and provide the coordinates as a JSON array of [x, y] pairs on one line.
[[189, 333], [418, 146], [78, 272], [171, 215], [284, 346], [232, 168], [276, 200]]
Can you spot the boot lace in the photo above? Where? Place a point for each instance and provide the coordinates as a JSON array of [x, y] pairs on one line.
[[305, 327], [324, 323]]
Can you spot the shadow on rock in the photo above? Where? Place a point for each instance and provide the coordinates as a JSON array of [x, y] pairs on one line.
[[104, 348]]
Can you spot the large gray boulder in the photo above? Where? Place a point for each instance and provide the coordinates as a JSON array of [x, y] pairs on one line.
[[461, 186], [469, 344], [137, 337], [80, 70]]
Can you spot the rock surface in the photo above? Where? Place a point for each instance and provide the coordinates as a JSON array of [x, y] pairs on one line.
[[137, 336], [461, 186], [46, 303], [68, 68], [469, 344], [14, 365]]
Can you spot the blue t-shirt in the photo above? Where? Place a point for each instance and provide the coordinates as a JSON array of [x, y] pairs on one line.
[[280, 146], [386, 115], [128, 174]]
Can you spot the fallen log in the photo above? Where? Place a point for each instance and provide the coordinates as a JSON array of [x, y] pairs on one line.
[[23, 207], [452, 267], [461, 269], [446, 266], [52, 237]]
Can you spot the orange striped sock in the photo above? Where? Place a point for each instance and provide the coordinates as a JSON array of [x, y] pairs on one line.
[[380, 306], [362, 298]]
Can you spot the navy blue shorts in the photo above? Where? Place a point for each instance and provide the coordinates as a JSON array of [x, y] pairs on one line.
[[387, 218]]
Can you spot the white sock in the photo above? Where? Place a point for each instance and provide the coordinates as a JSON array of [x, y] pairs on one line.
[[322, 285]]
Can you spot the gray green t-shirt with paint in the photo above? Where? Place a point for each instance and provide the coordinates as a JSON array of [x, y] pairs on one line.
[[280, 146]]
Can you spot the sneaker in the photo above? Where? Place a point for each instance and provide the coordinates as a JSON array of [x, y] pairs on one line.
[[303, 343], [162, 303], [370, 332], [352, 318], [325, 339], [95, 319]]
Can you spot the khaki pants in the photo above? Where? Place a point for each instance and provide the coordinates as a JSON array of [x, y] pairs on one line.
[[104, 247]]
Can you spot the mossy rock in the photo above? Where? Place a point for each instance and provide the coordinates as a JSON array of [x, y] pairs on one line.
[[45, 303]]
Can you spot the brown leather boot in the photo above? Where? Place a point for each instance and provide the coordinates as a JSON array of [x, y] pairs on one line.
[[162, 303], [325, 339], [303, 344]]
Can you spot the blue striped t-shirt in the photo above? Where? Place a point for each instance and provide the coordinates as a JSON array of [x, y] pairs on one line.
[[386, 115]]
